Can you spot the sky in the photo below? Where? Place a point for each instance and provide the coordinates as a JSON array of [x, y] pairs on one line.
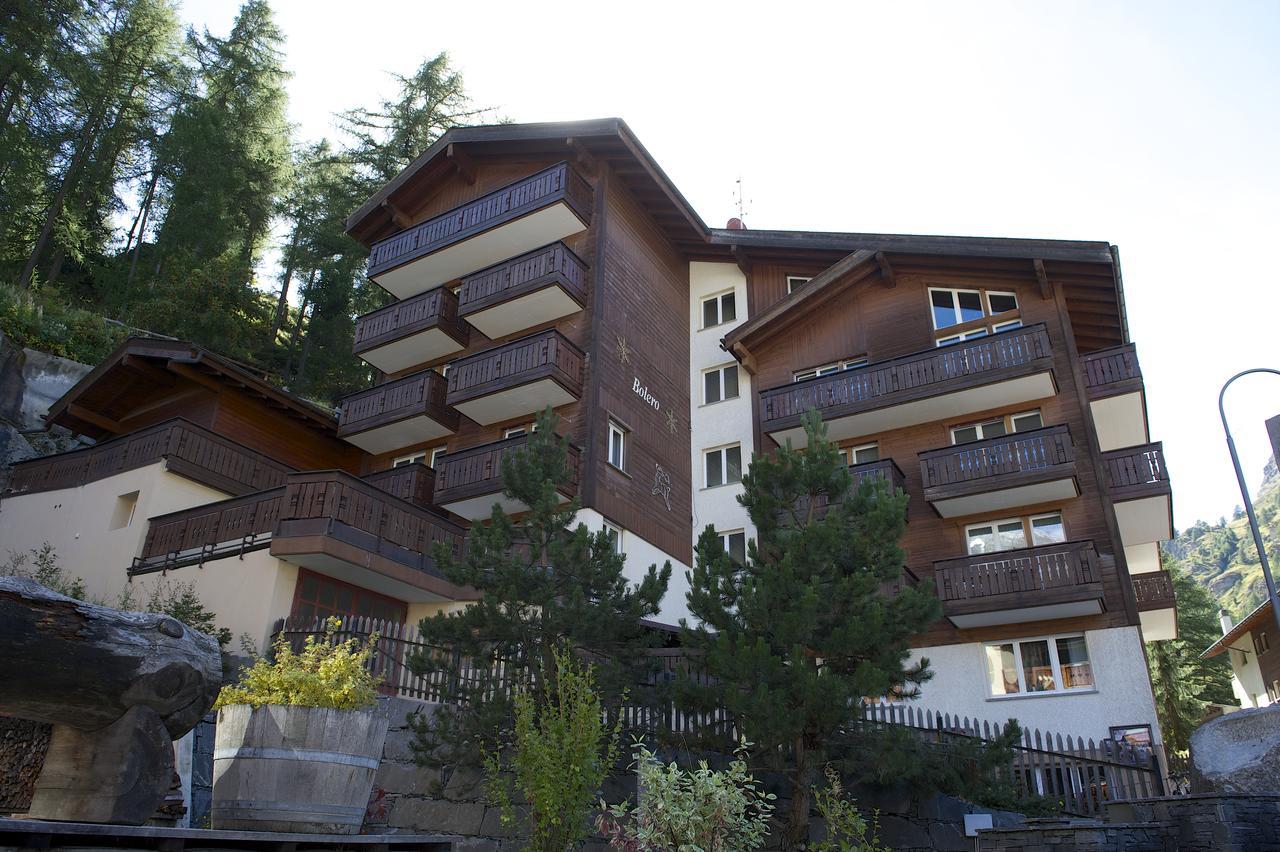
[[1154, 126]]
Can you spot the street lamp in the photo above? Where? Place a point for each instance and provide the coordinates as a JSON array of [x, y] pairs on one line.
[[1244, 492]]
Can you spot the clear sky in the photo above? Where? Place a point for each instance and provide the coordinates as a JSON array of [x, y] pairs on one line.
[[1155, 126]]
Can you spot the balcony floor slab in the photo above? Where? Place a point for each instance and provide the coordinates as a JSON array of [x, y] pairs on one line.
[[514, 402], [1121, 421], [1159, 625], [1008, 498], [421, 348], [401, 433], [1019, 615], [541, 306], [1149, 519]]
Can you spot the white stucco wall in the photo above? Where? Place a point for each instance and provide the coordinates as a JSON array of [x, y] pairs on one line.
[[1122, 695], [720, 423], [1246, 675], [640, 555]]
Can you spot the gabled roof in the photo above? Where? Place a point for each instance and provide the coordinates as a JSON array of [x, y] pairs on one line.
[[1258, 618], [1002, 247], [146, 363]]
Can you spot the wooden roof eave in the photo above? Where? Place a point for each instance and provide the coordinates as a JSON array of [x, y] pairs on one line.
[[1246, 626]]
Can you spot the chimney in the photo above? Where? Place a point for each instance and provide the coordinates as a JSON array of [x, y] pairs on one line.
[[1227, 622], [735, 224]]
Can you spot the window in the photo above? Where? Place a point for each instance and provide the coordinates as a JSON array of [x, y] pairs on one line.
[[122, 515], [735, 544], [955, 307], [436, 455], [719, 384], [1014, 533], [828, 369], [999, 303], [316, 596], [1001, 326], [862, 453], [617, 445], [967, 335], [994, 428], [723, 466], [796, 281], [719, 309], [1261, 643], [615, 536], [952, 307], [1053, 664], [412, 458]]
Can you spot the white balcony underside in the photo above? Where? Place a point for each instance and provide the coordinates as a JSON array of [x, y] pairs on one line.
[[1008, 498], [483, 250], [1023, 614], [944, 406], [516, 402], [1143, 521], [1159, 624], [402, 433], [1121, 421], [536, 308], [1142, 558], [480, 508], [421, 348], [358, 575]]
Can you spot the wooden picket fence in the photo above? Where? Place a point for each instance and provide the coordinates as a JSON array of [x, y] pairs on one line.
[[1081, 774]]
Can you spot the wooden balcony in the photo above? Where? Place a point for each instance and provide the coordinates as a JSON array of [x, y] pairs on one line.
[[532, 289], [1015, 586], [1016, 470], [1157, 606], [397, 414], [416, 331], [1138, 483], [884, 470], [185, 448], [1008, 368], [553, 204], [412, 482], [328, 521], [1113, 382], [469, 482], [518, 378]]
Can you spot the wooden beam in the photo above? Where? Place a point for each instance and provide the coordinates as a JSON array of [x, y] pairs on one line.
[[197, 376], [142, 367], [740, 258], [887, 274], [106, 424], [462, 162], [581, 155], [1046, 291], [397, 215]]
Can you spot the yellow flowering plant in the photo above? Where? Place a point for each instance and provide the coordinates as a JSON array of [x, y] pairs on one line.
[[325, 674]]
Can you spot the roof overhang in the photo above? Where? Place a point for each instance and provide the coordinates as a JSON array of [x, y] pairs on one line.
[[1246, 626]]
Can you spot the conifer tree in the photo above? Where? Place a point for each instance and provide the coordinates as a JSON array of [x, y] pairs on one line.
[[814, 621], [542, 586]]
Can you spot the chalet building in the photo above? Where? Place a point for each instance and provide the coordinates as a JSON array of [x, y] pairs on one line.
[[1255, 667], [992, 380]]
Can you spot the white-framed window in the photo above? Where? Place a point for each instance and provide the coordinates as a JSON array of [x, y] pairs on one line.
[[522, 429], [1023, 421], [719, 309], [615, 536], [1000, 303], [720, 383], [797, 281], [1014, 533], [723, 465], [1001, 326], [734, 543], [966, 335], [862, 453], [828, 369], [1044, 664], [436, 455], [1261, 643], [412, 458], [617, 445], [950, 307]]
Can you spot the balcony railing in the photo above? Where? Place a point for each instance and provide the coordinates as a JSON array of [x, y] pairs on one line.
[[435, 310], [547, 355], [476, 472], [413, 482], [187, 449], [910, 378], [551, 266], [1009, 461], [1111, 371], [1154, 591], [884, 470], [1136, 472], [559, 183], [1048, 575], [419, 395], [328, 504]]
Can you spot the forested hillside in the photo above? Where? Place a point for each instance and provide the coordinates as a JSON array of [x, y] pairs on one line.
[[145, 173]]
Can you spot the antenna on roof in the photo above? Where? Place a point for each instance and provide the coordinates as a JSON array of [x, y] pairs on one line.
[[743, 204]]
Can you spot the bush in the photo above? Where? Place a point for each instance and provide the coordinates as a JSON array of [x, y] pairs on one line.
[[41, 564], [326, 674], [847, 830], [39, 318], [689, 810]]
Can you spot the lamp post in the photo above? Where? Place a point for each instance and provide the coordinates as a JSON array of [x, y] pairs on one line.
[[1244, 492]]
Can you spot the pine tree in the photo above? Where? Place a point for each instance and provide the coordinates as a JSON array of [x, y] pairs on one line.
[[814, 621], [542, 586]]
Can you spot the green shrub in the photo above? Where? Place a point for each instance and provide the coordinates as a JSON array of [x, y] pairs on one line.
[[847, 829], [326, 674], [689, 810], [40, 318], [41, 564]]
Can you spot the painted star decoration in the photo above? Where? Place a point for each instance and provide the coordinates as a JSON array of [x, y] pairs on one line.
[[624, 351], [672, 424]]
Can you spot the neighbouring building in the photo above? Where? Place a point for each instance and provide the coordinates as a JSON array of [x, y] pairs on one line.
[[555, 264], [1255, 668]]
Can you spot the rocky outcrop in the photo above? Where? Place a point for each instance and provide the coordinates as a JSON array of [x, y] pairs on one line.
[[1238, 753], [30, 382]]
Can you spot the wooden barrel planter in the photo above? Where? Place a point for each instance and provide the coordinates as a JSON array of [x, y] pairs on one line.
[[294, 769]]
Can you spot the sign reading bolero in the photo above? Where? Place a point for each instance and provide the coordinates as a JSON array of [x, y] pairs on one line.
[[642, 391]]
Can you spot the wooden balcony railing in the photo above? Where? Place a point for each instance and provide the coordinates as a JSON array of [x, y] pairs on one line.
[[326, 503], [884, 470], [545, 355], [1004, 462], [413, 482], [1136, 472], [477, 471], [1154, 591], [436, 308], [1011, 579], [552, 265], [912, 377], [421, 394], [1111, 371], [559, 183], [187, 449]]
